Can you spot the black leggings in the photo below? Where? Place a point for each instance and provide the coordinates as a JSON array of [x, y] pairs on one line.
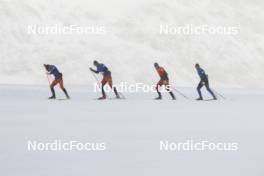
[[204, 82]]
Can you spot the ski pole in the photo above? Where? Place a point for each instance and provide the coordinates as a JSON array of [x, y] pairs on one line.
[[219, 94], [96, 79], [180, 93]]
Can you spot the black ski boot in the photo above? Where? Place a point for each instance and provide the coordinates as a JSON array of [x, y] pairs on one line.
[[66, 93], [53, 93], [199, 99], [159, 97], [52, 97], [102, 98], [172, 96], [116, 93]]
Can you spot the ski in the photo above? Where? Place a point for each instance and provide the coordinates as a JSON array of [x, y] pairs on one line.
[[206, 100], [59, 99], [109, 99]]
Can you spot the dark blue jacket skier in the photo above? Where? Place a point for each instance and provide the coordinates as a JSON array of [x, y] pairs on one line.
[[52, 69], [107, 78], [203, 82]]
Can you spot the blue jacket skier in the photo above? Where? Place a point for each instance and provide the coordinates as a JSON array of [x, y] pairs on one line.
[[203, 82], [107, 78], [52, 70]]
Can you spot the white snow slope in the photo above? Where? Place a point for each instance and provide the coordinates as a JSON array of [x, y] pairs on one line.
[[132, 130], [132, 41]]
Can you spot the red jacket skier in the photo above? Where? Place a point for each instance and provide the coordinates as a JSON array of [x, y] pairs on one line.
[[164, 80]]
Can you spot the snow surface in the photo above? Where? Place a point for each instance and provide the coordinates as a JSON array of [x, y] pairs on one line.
[[132, 129], [132, 41]]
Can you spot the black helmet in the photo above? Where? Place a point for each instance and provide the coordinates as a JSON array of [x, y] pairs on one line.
[[156, 64], [95, 62], [197, 65], [46, 66]]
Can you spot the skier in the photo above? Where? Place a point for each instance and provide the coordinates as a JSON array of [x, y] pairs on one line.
[[204, 81], [107, 78], [52, 70], [164, 80]]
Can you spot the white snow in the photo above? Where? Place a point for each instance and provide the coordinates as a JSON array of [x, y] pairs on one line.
[[132, 130]]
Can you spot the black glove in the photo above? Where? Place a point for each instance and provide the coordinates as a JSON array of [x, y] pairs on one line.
[[94, 70]]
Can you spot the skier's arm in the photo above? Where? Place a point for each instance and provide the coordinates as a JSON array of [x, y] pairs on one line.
[[95, 71], [48, 72]]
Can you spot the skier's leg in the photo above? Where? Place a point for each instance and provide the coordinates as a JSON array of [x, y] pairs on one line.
[[66, 93], [110, 83], [63, 89], [172, 95], [160, 83], [103, 92], [53, 84], [53, 93], [168, 88], [209, 90], [103, 82], [200, 85], [116, 93]]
